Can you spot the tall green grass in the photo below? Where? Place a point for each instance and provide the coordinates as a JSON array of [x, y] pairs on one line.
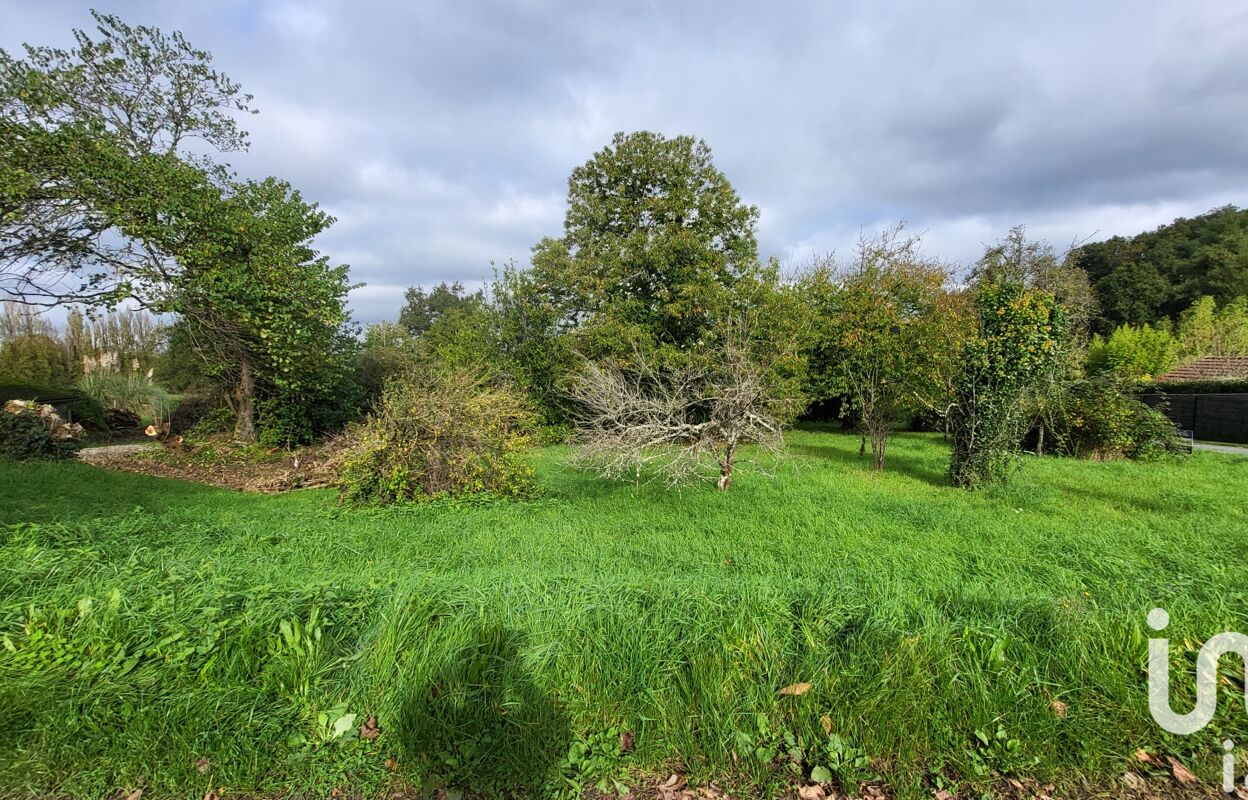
[[150, 624]]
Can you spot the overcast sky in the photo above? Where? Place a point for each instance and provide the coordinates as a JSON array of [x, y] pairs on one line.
[[441, 135]]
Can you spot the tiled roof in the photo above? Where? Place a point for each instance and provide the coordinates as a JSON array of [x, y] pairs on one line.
[[1209, 367]]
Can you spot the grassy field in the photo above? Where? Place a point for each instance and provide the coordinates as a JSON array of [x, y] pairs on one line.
[[178, 638]]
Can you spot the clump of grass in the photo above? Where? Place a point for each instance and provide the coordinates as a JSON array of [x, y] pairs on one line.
[[178, 638]]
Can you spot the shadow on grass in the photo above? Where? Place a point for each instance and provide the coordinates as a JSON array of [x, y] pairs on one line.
[[482, 723], [894, 461]]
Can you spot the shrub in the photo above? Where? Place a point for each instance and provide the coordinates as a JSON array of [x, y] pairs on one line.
[[439, 432], [1133, 352], [1195, 386], [130, 391], [202, 413], [1099, 420]]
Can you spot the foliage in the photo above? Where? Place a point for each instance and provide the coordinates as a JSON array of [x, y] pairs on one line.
[[422, 309], [1133, 352], [1205, 386], [439, 433], [1159, 273], [127, 389], [1204, 329], [604, 606], [655, 238], [885, 335], [1099, 419], [37, 359], [94, 172], [1033, 265], [1018, 340], [132, 89]]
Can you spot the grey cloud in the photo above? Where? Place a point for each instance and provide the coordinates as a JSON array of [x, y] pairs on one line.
[[441, 134]]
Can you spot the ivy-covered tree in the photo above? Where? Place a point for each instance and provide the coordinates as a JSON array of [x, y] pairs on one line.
[[1010, 355]]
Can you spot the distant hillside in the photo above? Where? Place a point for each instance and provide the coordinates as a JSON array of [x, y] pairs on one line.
[[1159, 273]]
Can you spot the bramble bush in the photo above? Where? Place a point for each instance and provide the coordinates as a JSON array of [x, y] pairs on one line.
[[439, 432]]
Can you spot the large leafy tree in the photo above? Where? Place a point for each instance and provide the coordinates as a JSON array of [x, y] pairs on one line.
[[655, 237], [135, 91], [101, 200]]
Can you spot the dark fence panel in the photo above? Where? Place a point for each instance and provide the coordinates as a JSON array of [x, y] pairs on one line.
[[1213, 417]]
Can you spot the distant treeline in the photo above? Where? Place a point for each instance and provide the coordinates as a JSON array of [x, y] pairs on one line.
[[1158, 274]]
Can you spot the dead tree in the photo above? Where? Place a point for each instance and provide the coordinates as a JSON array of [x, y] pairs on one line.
[[642, 422]]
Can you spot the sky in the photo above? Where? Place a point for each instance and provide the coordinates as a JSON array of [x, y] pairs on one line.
[[441, 134]]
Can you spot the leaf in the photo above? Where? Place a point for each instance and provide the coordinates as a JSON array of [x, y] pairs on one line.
[[826, 722], [627, 742], [821, 774], [369, 729], [1059, 708], [813, 792], [795, 689], [343, 724], [1181, 773]]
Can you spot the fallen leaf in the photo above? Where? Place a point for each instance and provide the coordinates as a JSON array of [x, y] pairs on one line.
[[942, 794], [1134, 782], [1017, 784], [335, 792], [795, 689], [627, 742], [390, 764], [210, 795], [1059, 708], [1144, 757], [812, 792], [202, 764], [826, 722], [1181, 773], [369, 729], [135, 795]]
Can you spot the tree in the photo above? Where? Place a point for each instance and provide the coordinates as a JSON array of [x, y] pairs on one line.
[[1157, 274], [99, 187], [35, 359], [129, 92], [1206, 330], [1133, 352], [643, 420], [1033, 265], [882, 332], [655, 237], [1017, 341], [422, 309]]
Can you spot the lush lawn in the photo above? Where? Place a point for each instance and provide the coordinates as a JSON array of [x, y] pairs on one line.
[[142, 623]]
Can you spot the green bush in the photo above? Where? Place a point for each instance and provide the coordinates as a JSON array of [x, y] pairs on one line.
[[1203, 386], [437, 433], [24, 437], [128, 391], [1100, 420]]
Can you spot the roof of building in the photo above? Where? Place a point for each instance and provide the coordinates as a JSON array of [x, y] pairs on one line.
[[1208, 367]]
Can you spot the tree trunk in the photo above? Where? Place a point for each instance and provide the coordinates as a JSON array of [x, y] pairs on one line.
[[725, 469], [862, 440], [1040, 441], [245, 405]]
